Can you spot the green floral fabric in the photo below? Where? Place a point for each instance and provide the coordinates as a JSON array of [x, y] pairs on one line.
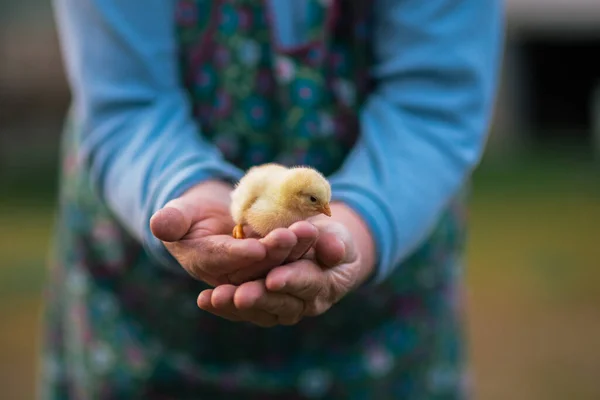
[[119, 326]]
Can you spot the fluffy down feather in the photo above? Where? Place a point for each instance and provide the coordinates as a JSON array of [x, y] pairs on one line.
[[271, 196]]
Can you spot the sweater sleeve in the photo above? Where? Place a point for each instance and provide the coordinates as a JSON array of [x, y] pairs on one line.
[[138, 137], [424, 127]]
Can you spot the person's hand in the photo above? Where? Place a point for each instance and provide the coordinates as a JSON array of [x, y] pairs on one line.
[[196, 229], [341, 260]]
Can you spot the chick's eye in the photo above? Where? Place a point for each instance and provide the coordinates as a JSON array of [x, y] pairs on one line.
[[313, 199]]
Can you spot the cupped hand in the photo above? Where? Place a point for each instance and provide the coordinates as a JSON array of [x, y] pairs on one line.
[[196, 229], [341, 259]]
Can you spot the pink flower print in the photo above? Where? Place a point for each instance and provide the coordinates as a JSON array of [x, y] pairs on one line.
[[257, 112], [285, 69], [222, 104], [306, 92], [264, 81], [104, 231], [70, 164], [245, 19], [308, 125], [407, 306], [336, 60], [186, 13], [345, 91], [379, 361], [135, 357], [79, 321], [222, 56]]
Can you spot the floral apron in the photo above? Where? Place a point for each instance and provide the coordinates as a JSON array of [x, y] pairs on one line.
[[118, 326]]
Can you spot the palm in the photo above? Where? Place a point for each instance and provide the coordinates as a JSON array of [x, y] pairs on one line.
[[196, 228], [211, 219]]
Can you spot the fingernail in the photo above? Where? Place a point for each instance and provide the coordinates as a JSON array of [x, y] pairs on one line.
[[277, 286]]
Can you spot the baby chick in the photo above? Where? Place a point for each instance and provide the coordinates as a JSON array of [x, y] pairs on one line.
[[272, 196]]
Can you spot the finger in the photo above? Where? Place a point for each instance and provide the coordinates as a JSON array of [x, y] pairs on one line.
[[303, 279], [174, 220], [306, 234], [254, 296], [204, 297], [278, 245], [334, 245], [220, 303], [222, 299], [204, 302], [287, 308], [329, 250], [247, 309], [171, 223]]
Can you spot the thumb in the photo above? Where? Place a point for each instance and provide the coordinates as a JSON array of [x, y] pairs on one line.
[[172, 222]]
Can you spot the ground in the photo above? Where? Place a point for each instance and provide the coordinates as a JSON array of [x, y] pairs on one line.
[[533, 268]]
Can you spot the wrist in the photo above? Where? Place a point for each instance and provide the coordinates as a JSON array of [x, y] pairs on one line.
[[362, 237]]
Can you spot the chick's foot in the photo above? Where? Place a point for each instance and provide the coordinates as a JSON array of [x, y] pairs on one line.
[[238, 232]]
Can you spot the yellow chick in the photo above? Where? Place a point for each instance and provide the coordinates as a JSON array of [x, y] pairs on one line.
[[271, 196]]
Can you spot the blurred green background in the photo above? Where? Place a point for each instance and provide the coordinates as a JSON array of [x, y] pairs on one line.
[[534, 249]]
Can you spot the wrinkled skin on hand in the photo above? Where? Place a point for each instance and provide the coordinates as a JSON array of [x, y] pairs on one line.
[[303, 288], [196, 229], [290, 274]]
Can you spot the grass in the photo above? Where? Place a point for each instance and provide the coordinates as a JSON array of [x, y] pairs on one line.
[[533, 261], [533, 272]]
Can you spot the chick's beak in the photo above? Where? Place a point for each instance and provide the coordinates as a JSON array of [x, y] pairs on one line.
[[326, 210]]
